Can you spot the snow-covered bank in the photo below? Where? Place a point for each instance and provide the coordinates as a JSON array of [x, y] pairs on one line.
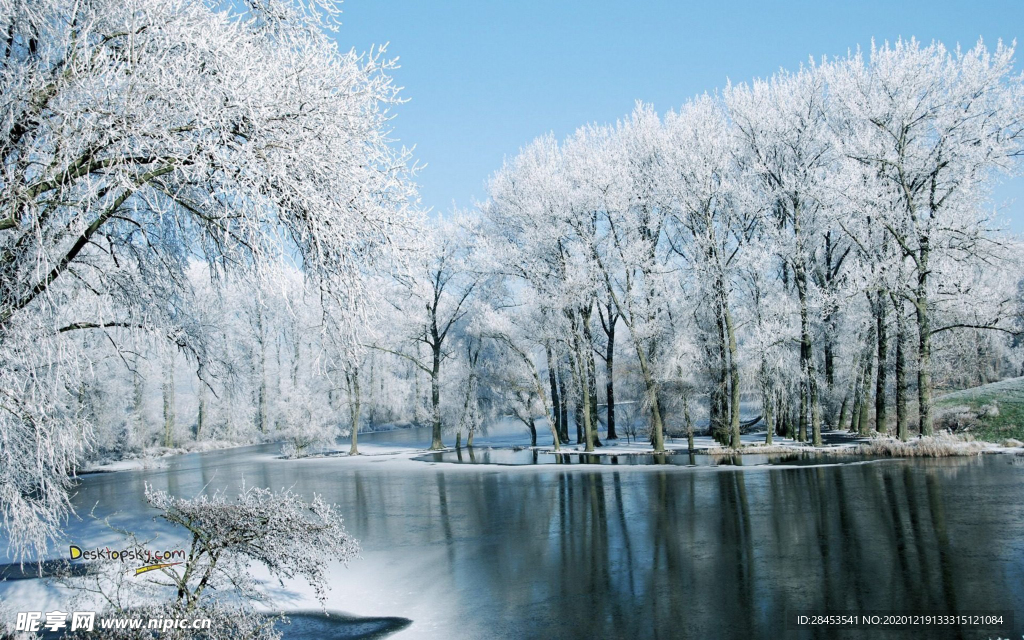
[[842, 443], [840, 447], [155, 457], [485, 460]]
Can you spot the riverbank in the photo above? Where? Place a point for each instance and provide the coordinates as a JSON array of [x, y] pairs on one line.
[[836, 443], [992, 412], [154, 457], [938, 446], [843, 449]]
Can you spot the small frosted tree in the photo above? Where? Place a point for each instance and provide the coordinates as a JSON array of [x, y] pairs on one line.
[[278, 530]]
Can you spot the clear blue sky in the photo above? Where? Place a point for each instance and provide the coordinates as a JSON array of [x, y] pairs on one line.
[[484, 77]]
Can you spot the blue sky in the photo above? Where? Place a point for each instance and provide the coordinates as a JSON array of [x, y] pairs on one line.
[[485, 77]]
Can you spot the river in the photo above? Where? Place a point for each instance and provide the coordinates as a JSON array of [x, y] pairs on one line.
[[484, 551]]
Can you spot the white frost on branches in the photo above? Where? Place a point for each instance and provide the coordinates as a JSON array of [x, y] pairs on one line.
[[138, 136]]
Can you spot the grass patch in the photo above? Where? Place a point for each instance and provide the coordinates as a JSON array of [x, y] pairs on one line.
[[940, 446], [992, 412]]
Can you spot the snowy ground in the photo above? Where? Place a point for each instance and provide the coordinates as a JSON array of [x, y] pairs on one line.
[[839, 448], [751, 443], [156, 457]]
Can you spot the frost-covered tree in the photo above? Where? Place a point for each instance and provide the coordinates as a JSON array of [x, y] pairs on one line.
[[224, 537], [635, 206], [931, 127], [798, 210], [515, 368], [137, 136], [711, 225], [542, 224], [785, 141], [428, 303]]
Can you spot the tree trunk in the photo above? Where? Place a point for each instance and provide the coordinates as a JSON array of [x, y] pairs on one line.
[[592, 390], [714, 410], [473, 409], [583, 370], [807, 357], [831, 330], [435, 397], [830, 356], [722, 397], [609, 368], [578, 384], [583, 424], [578, 416], [354, 410], [296, 359], [550, 413], [790, 424], [842, 411], [556, 399], [801, 431], [865, 393], [882, 305], [734, 372], [924, 351], [588, 427], [767, 400], [466, 411], [563, 407], [857, 400], [651, 387], [901, 370], [780, 424], [416, 413], [201, 417], [169, 400], [262, 400]]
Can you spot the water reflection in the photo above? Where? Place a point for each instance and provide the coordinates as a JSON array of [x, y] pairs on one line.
[[615, 553], [726, 555], [677, 554]]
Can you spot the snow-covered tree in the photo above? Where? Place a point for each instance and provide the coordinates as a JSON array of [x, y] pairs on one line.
[[428, 302], [135, 137], [931, 127], [224, 537]]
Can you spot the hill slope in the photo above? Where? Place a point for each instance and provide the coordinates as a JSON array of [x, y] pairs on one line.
[[991, 412]]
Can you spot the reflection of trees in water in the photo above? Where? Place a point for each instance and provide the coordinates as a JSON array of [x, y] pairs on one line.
[[679, 553]]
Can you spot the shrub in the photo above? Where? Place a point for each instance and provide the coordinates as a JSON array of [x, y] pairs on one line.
[[291, 538]]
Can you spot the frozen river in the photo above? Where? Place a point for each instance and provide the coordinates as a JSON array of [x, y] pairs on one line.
[[482, 551]]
